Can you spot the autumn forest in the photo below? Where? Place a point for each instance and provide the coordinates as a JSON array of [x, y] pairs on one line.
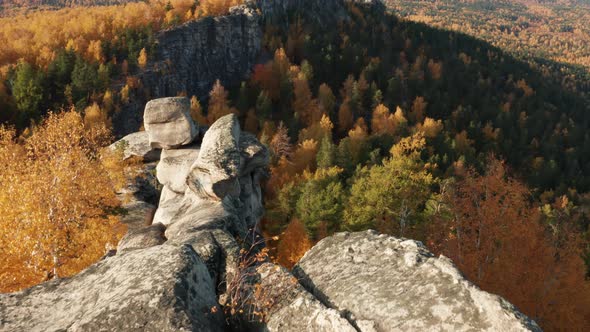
[[449, 136]]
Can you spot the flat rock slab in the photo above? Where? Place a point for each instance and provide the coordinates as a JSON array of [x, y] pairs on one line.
[[393, 284], [136, 145], [121, 293]]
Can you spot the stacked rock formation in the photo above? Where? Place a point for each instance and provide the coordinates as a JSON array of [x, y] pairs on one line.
[[172, 275], [167, 276]]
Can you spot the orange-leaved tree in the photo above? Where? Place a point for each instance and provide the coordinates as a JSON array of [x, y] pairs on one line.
[[57, 202], [294, 243], [218, 103], [495, 237]]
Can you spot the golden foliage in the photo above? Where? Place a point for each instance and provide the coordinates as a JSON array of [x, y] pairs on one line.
[[383, 122], [63, 220], [527, 90], [34, 37], [360, 131], [294, 244], [218, 103], [125, 93], [497, 240], [217, 7], [142, 59], [431, 128], [409, 146], [95, 117]]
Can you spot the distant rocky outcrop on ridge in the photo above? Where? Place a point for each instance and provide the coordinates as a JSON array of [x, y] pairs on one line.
[[189, 58], [172, 275]]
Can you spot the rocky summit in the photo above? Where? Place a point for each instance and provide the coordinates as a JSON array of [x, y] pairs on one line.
[[172, 275]]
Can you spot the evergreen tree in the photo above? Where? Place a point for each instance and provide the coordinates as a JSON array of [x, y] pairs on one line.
[[321, 200], [84, 81], [327, 153], [27, 90], [263, 106], [391, 197]]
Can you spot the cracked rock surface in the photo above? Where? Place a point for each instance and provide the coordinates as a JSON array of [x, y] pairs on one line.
[[383, 283]]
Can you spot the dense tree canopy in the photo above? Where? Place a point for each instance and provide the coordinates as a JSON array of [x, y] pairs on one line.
[[371, 123]]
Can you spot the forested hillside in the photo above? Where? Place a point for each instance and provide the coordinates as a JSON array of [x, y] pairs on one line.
[[17, 7], [399, 127], [534, 31], [374, 122], [74, 57]]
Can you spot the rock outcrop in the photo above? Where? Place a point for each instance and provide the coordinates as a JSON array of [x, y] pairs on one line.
[[189, 59], [382, 283], [178, 273], [161, 288], [174, 167], [215, 172], [168, 122], [165, 276], [294, 308]]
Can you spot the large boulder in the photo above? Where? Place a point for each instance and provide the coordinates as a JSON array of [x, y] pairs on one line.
[[162, 288], [214, 174], [175, 165], [392, 284], [169, 123]]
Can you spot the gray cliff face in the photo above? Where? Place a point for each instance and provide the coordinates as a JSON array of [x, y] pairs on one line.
[[191, 57]]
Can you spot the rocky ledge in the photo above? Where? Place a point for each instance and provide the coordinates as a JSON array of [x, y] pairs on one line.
[[172, 275]]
